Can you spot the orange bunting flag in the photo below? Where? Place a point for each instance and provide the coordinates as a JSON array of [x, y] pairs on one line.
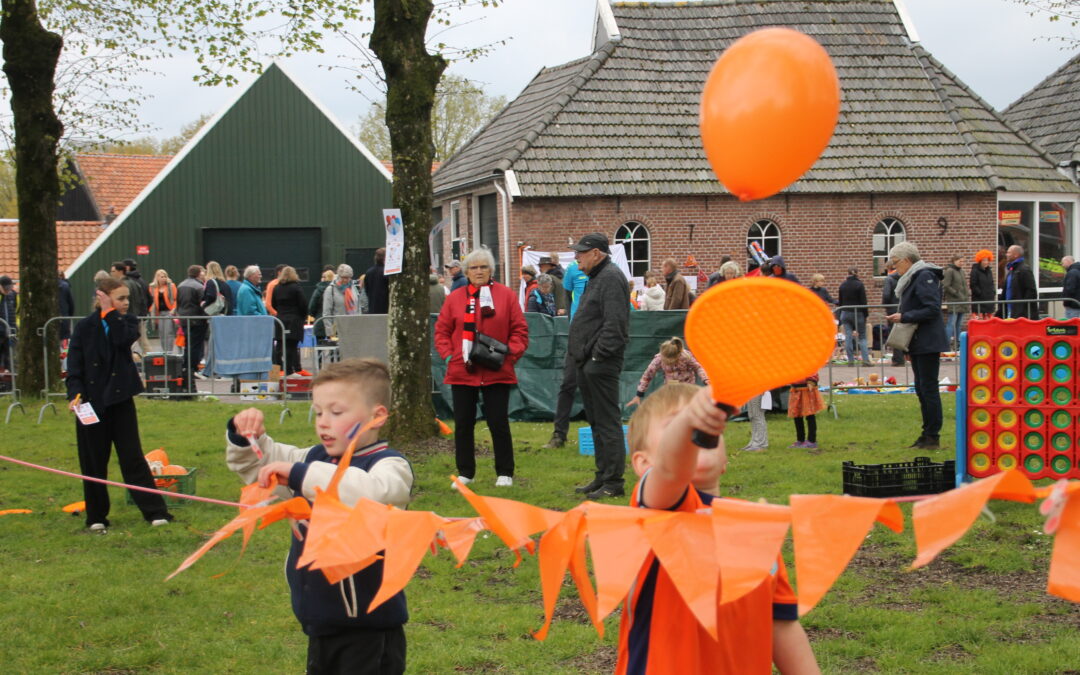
[[1064, 577], [828, 530], [349, 546], [579, 572], [412, 532], [748, 540], [511, 521], [13, 512], [557, 547], [619, 547], [459, 535], [939, 521], [684, 545]]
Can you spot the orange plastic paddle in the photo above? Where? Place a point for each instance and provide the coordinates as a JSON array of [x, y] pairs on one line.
[[754, 334]]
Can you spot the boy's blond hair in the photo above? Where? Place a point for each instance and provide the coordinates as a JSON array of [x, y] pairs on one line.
[[371, 376], [668, 398]]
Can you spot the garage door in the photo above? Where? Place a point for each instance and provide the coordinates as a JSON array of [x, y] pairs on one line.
[[267, 248]]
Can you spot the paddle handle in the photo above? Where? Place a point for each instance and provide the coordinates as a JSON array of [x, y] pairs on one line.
[[704, 440]]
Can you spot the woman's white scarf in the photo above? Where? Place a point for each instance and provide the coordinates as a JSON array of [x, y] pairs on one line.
[[909, 275]]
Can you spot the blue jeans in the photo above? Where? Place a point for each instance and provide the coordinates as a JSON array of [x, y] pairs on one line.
[[954, 321], [1072, 313], [847, 321]]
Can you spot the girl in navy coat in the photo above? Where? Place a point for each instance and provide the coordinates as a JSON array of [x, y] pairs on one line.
[[102, 373]]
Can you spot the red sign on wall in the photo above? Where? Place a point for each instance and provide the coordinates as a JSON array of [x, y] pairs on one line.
[[142, 250]]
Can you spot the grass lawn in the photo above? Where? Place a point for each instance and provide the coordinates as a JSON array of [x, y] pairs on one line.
[[76, 602]]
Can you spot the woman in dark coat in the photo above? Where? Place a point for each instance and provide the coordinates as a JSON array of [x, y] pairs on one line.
[[291, 307], [982, 286], [919, 290], [102, 373], [487, 307]]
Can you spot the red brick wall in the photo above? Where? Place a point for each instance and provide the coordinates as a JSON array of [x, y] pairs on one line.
[[820, 233]]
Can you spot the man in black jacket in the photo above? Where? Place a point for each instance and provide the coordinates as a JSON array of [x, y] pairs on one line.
[[853, 321], [1019, 286], [1071, 291], [597, 340]]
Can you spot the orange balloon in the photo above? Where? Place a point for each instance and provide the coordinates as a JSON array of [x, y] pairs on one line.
[[768, 110]]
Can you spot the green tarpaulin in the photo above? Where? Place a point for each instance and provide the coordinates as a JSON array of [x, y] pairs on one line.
[[539, 372]]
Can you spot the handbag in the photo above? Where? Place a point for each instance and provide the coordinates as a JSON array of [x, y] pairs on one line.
[[488, 352], [900, 335], [218, 305]]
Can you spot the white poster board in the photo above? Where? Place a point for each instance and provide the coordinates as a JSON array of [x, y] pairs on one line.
[[395, 241]]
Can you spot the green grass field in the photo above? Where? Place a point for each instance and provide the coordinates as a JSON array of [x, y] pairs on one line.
[[76, 602]]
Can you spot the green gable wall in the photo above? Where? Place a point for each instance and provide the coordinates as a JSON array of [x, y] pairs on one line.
[[272, 160]]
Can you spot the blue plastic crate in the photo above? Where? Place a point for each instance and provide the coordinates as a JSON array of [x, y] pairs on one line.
[[585, 440]]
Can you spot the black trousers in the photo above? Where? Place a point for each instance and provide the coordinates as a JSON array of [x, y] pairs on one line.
[[195, 333], [925, 368], [119, 426], [599, 382], [565, 401], [811, 425], [496, 412], [361, 651]]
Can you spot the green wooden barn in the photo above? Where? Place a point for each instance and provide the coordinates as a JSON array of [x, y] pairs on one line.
[[272, 178]]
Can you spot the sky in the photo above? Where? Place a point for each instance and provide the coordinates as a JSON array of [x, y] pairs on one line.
[[994, 46]]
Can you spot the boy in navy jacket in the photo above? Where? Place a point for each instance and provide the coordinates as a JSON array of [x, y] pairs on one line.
[[342, 636]]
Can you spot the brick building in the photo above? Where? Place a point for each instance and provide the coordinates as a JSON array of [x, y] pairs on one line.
[[610, 143]]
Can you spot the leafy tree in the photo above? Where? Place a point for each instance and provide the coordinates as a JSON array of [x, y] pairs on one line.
[[9, 208], [149, 145], [1057, 10], [461, 109]]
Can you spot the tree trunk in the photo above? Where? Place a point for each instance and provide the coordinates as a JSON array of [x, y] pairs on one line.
[[412, 75], [30, 57]]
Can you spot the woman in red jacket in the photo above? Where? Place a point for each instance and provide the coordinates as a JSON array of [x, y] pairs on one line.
[[481, 309]]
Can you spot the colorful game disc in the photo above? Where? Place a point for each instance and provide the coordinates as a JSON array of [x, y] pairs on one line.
[[1061, 350], [1006, 462], [1061, 373], [1007, 418], [980, 417], [981, 372], [1061, 464], [1034, 418], [1061, 419], [1061, 395], [980, 395], [981, 441], [1006, 395], [1060, 442], [1007, 350], [1034, 463], [1007, 440], [1034, 395], [1033, 440], [980, 350], [1034, 372], [980, 462], [1034, 350], [1007, 372]]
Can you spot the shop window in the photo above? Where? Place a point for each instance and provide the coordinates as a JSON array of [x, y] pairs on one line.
[[1053, 221]]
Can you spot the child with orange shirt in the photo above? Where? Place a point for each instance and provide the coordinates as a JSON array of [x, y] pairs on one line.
[[658, 632]]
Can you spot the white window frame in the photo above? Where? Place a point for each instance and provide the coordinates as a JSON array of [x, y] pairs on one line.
[[762, 236], [638, 227], [887, 240], [1033, 256]]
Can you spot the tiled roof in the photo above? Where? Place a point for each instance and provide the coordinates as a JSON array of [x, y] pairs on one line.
[[625, 120], [1048, 115], [72, 238], [115, 180]]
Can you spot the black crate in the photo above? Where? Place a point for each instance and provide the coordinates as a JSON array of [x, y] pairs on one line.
[[159, 365], [160, 386], [900, 479]]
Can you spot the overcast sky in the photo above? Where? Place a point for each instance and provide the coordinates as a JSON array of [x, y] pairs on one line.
[[994, 46]]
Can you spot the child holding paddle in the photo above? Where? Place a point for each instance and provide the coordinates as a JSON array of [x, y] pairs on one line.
[[342, 636], [658, 632]]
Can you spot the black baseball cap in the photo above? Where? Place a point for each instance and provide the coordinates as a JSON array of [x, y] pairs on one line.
[[590, 241]]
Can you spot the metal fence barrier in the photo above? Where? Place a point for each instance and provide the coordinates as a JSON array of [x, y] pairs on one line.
[[12, 374], [190, 383]]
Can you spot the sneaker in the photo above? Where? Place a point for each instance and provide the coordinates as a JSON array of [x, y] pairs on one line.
[[752, 448], [199, 375], [97, 527], [867, 364], [605, 493], [504, 481], [557, 441], [810, 446], [158, 522], [928, 443], [797, 444], [589, 487], [463, 480]]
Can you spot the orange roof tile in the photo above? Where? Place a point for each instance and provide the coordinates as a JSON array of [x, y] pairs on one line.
[[115, 180], [72, 238]]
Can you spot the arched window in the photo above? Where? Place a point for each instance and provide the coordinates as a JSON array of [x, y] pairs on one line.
[[635, 240], [887, 233], [767, 234]]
